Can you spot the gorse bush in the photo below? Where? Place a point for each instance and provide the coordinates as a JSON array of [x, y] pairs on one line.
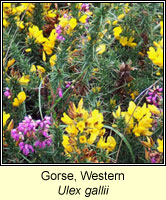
[[82, 83]]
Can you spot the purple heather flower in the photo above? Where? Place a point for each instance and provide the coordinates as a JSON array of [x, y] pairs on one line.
[[153, 160], [60, 92], [37, 132], [60, 37], [155, 96], [7, 93], [85, 7], [15, 135], [68, 84], [40, 144], [26, 148], [49, 142]]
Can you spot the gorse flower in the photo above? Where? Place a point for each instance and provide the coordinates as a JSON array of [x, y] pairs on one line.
[[149, 142], [83, 19], [101, 49], [5, 118], [85, 128], [73, 23], [117, 31], [157, 55], [24, 80], [160, 145], [20, 99], [138, 119]]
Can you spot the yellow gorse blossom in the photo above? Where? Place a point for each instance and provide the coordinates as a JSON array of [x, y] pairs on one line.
[[5, 118], [63, 22], [83, 19], [24, 80], [156, 56], [51, 13], [160, 145], [85, 128], [53, 60], [44, 56], [121, 16], [20, 99], [28, 50], [149, 142], [73, 23], [10, 63], [101, 49], [117, 31], [138, 119], [109, 144], [123, 41]]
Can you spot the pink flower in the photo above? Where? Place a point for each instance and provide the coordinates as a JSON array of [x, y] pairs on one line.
[[7, 93], [60, 92]]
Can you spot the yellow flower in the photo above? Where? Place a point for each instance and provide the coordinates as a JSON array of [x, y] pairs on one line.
[[20, 24], [24, 80], [72, 130], [117, 31], [80, 105], [130, 43], [131, 108], [160, 145], [63, 22], [161, 31], [117, 113], [83, 19], [5, 23], [5, 118], [142, 128], [141, 54], [110, 144], [51, 13], [113, 102], [134, 94], [10, 63], [44, 56], [83, 139], [10, 125], [93, 136], [53, 60], [98, 104], [73, 23], [33, 68], [115, 22], [66, 119], [101, 49], [20, 99], [81, 126], [121, 16], [34, 32], [28, 50], [66, 144], [149, 142], [153, 109], [40, 69], [123, 41], [156, 56]]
